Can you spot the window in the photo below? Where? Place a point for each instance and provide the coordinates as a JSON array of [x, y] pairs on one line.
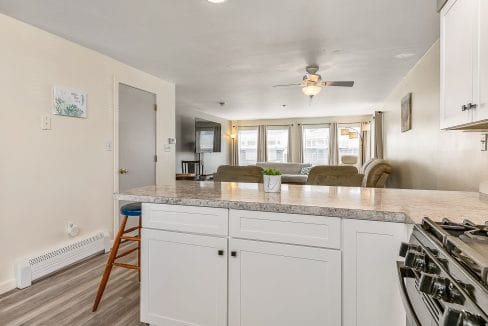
[[277, 144], [316, 145], [348, 140], [248, 145]]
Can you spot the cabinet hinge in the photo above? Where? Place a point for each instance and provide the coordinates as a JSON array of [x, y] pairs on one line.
[[155, 158], [155, 107]]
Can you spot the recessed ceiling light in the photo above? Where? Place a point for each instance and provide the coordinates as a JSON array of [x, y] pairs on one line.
[[216, 1]]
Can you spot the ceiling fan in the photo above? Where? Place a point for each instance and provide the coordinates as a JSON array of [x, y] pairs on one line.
[[312, 82]]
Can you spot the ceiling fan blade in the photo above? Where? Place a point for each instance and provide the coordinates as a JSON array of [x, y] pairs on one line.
[[339, 83], [288, 85]]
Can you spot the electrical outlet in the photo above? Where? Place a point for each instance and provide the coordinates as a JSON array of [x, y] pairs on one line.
[[72, 229]]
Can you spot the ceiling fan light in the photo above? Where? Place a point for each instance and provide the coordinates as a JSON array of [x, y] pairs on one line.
[[311, 90]]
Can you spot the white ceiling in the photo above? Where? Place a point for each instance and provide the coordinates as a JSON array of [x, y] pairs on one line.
[[235, 51]]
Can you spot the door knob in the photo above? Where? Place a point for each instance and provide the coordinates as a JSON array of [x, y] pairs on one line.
[[123, 171]]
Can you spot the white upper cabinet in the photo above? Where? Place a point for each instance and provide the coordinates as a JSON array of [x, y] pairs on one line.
[[481, 113], [461, 47]]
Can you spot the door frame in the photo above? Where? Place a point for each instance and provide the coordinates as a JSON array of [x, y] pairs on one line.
[[116, 143]]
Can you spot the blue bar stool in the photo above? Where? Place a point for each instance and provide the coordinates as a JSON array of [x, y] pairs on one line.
[[129, 210]]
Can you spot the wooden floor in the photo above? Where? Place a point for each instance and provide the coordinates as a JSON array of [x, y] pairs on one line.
[[66, 298]]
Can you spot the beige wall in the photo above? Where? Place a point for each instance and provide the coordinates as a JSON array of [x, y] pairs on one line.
[[49, 177], [426, 157], [296, 122], [185, 140]]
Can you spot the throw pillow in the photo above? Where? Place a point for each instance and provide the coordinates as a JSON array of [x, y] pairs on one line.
[[305, 170]]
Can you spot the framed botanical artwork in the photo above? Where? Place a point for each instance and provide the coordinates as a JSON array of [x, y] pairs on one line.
[[407, 112], [69, 102]]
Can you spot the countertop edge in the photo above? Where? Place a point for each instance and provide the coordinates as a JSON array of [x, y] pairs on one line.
[[340, 212]]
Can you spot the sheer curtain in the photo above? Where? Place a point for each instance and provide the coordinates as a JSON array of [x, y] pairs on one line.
[[300, 143], [333, 145], [234, 146], [262, 143], [290, 143], [364, 154]]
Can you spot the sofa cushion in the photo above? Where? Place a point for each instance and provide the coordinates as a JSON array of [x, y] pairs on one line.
[[294, 178], [305, 170], [284, 168]]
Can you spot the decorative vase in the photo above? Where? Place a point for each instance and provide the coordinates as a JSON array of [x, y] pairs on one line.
[[272, 183]]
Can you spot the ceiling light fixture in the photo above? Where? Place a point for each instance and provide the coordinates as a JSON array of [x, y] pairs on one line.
[[311, 90], [216, 1]]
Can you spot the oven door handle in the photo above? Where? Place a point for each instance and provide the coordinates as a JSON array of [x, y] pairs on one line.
[[404, 272]]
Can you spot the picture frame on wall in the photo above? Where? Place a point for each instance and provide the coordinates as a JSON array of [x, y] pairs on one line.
[[406, 112], [69, 102]]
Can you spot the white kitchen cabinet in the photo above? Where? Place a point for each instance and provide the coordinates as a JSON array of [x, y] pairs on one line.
[[481, 113], [184, 279], [464, 51], [371, 295], [274, 284]]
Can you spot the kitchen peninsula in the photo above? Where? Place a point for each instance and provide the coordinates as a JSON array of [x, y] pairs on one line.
[[230, 254]]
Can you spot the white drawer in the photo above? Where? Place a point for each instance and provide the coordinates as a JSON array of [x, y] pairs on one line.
[[309, 230], [204, 220]]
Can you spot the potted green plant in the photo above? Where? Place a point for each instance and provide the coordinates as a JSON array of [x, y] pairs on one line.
[[272, 180]]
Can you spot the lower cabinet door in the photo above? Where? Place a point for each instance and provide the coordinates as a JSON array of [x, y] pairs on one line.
[[184, 279], [371, 287], [283, 285]]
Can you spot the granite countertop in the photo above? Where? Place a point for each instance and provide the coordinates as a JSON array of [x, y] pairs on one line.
[[389, 205]]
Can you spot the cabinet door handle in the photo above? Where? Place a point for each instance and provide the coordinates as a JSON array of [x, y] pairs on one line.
[[233, 253], [464, 108], [221, 252], [472, 106]]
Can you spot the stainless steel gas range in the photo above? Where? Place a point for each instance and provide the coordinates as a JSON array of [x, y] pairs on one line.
[[444, 278]]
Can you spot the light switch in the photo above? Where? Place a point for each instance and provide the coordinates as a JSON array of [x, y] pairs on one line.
[[46, 122], [108, 146], [167, 148]]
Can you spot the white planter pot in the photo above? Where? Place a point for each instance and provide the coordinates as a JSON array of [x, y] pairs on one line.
[[272, 183]]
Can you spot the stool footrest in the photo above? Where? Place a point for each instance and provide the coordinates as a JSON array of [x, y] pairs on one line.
[[130, 238], [129, 266], [132, 229], [125, 253]]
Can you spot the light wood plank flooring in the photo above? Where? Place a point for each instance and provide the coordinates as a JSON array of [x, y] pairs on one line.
[[66, 298]]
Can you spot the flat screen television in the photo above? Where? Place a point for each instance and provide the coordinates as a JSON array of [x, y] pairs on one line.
[[207, 136]]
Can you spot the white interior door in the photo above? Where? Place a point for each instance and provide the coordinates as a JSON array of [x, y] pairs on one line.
[[274, 284], [137, 137]]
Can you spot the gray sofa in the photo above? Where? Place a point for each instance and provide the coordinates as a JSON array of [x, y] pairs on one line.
[[290, 171]]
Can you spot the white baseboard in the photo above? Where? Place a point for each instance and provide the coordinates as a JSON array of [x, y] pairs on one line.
[[7, 286]]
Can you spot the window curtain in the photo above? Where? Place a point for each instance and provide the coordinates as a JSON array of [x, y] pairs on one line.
[[234, 146], [262, 141], [290, 143], [378, 135], [300, 143], [333, 145], [364, 154]]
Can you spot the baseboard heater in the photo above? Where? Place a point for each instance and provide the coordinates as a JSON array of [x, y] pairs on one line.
[[33, 268]]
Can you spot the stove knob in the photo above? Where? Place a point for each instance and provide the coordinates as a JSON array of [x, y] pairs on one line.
[[440, 288], [405, 247], [454, 317], [415, 260]]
